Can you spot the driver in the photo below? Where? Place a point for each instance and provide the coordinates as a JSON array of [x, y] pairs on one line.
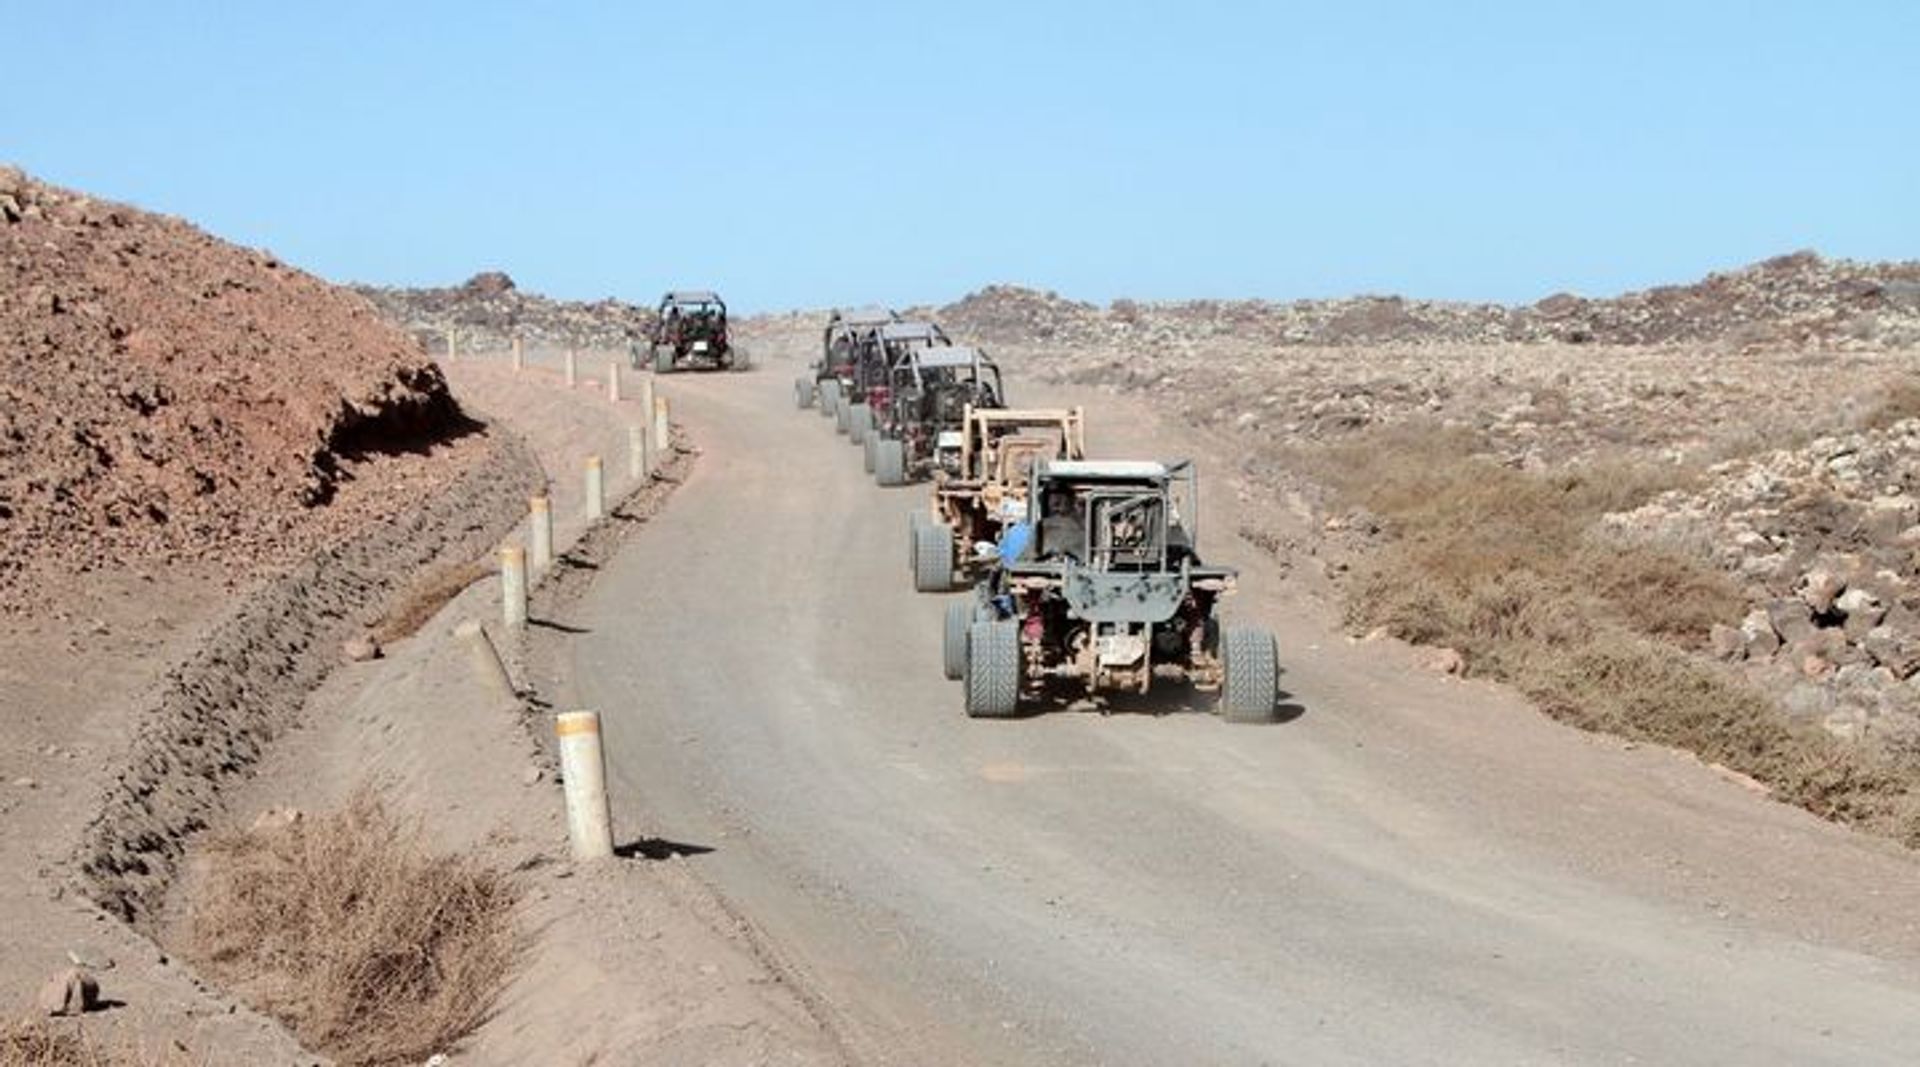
[[1061, 531]]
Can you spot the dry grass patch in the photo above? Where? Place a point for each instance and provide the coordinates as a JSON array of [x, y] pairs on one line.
[[1506, 567], [371, 948], [41, 1044], [426, 597], [1901, 401]]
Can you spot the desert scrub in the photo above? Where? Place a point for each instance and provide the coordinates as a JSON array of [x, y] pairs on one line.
[[345, 927], [1507, 566]]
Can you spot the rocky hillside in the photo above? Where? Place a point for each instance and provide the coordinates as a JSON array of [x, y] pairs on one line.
[[488, 310], [165, 394], [1799, 300]]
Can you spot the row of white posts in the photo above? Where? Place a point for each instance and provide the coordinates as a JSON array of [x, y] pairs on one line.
[[582, 760]]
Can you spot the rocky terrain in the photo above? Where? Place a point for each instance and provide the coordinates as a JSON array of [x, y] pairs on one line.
[[1799, 300], [164, 395], [1773, 395], [488, 311]]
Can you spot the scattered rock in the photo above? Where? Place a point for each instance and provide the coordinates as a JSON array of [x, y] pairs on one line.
[[361, 649], [532, 776]]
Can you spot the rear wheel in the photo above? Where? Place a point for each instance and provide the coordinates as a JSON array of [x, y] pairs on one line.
[[662, 359], [993, 669], [933, 558], [953, 641], [738, 356], [1251, 665], [860, 423], [890, 462], [843, 416], [802, 393], [829, 397]]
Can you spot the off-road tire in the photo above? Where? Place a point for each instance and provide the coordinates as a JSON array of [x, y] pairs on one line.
[[1251, 665], [890, 462], [993, 669], [953, 640], [663, 359], [741, 360], [860, 423], [843, 416], [829, 396], [802, 393], [867, 447], [915, 520], [933, 558]]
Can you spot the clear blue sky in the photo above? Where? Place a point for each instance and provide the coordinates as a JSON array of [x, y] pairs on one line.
[[800, 155]]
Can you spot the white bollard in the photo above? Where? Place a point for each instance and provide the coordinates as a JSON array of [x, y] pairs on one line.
[[513, 585], [661, 427], [613, 380], [636, 453], [596, 504], [646, 396], [519, 354], [573, 370], [540, 535], [583, 769], [486, 659]]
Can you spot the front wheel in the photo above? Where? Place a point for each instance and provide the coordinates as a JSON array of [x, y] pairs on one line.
[[993, 669], [829, 397], [1251, 686], [860, 423], [662, 359], [843, 416], [802, 393], [867, 447]]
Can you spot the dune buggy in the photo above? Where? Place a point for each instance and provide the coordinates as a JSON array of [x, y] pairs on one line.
[[1103, 592], [690, 332], [981, 474], [828, 379]]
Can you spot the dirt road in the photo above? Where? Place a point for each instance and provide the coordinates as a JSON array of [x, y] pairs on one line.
[[1412, 869]]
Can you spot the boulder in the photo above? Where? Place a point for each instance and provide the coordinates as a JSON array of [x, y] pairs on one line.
[[1819, 588], [1728, 642], [1791, 618], [1761, 639]]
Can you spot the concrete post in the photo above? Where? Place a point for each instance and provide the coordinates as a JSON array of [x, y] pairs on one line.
[[596, 505], [636, 453], [540, 534], [513, 585], [661, 427], [519, 354], [573, 370], [583, 770], [613, 380], [646, 396], [486, 659]]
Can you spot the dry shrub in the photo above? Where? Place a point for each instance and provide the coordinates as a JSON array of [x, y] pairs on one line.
[[1901, 401], [37, 1043], [426, 597], [343, 926], [1506, 567]]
